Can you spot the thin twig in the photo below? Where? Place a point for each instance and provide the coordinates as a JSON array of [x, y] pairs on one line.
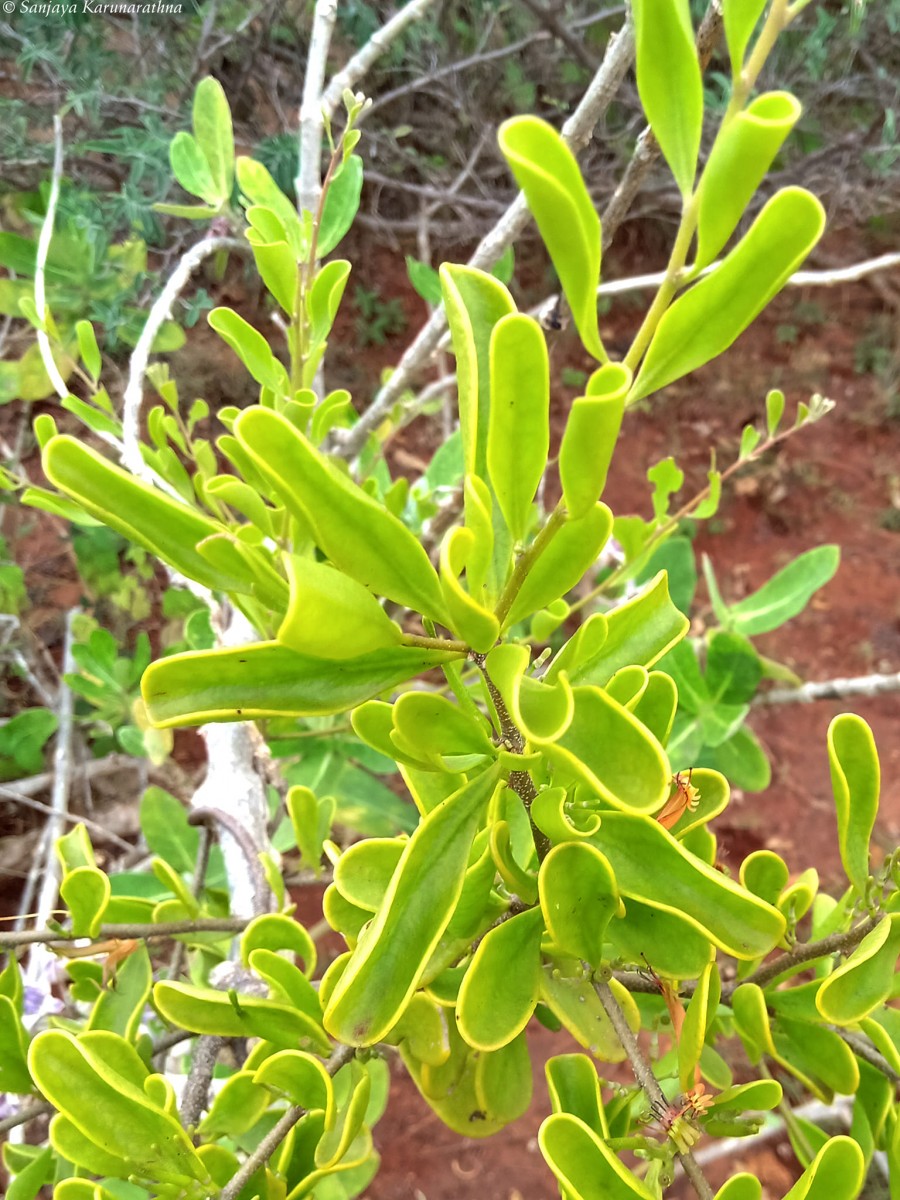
[[647, 1080], [101, 831], [130, 448], [575, 132], [24, 1115], [141, 931], [59, 797], [30, 785], [561, 33], [43, 250], [279, 1132], [481, 58], [646, 151], [864, 1049], [831, 689], [803, 952], [361, 62]]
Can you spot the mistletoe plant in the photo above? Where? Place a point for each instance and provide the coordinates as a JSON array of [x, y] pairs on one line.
[[563, 866]]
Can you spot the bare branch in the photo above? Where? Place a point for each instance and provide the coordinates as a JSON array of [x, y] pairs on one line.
[[144, 932], [43, 249], [803, 952], [482, 57], [360, 63], [647, 1080], [831, 689], [575, 132], [24, 1115], [130, 449], [279, 1131], [101, 831], [59, 798], [309, 173]]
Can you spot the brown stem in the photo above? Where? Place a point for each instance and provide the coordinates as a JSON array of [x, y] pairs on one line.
[[279, 1132], [520, 781], [648, 1081], [803, 953], [145, 932]]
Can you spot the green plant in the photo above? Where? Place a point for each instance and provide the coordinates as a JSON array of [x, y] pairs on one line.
[[560, 849], [377, 319]]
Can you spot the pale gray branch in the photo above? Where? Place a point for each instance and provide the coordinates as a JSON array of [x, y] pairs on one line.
[[130, 450], [43, 249], [831, 689], [309, 174], [360, 63]]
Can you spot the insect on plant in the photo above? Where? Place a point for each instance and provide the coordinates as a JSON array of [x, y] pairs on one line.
[[685, 798]]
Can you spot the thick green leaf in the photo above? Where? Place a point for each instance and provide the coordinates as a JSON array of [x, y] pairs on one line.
[[704, 322], [701, 1012], [578, 896], [277, 932], [568, 991], [191, 169], [740, 1187], [386, 965], [474, 302], [503, 1080], [251, 348], [740, 157], [357, 533], [120, 1006], [836, 1173], [786, 594], [341, 204], [856, 783], [587, 1169], [267, 679], [502, 983], [562, 565], [653, 867], [204, 1010], [324, 297], [546, 171], [14, 1076], [606, 748], [302, 1078], [519, 419], [574, 1088], [672, 944], [236, 1107], [640, 631], [139, 512], [740, 17], [212, 129], [469, 619], [277, 268], [96, 1099], [590, 438], [332, 616], [669, 83], [864, 980], [260, 189]]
